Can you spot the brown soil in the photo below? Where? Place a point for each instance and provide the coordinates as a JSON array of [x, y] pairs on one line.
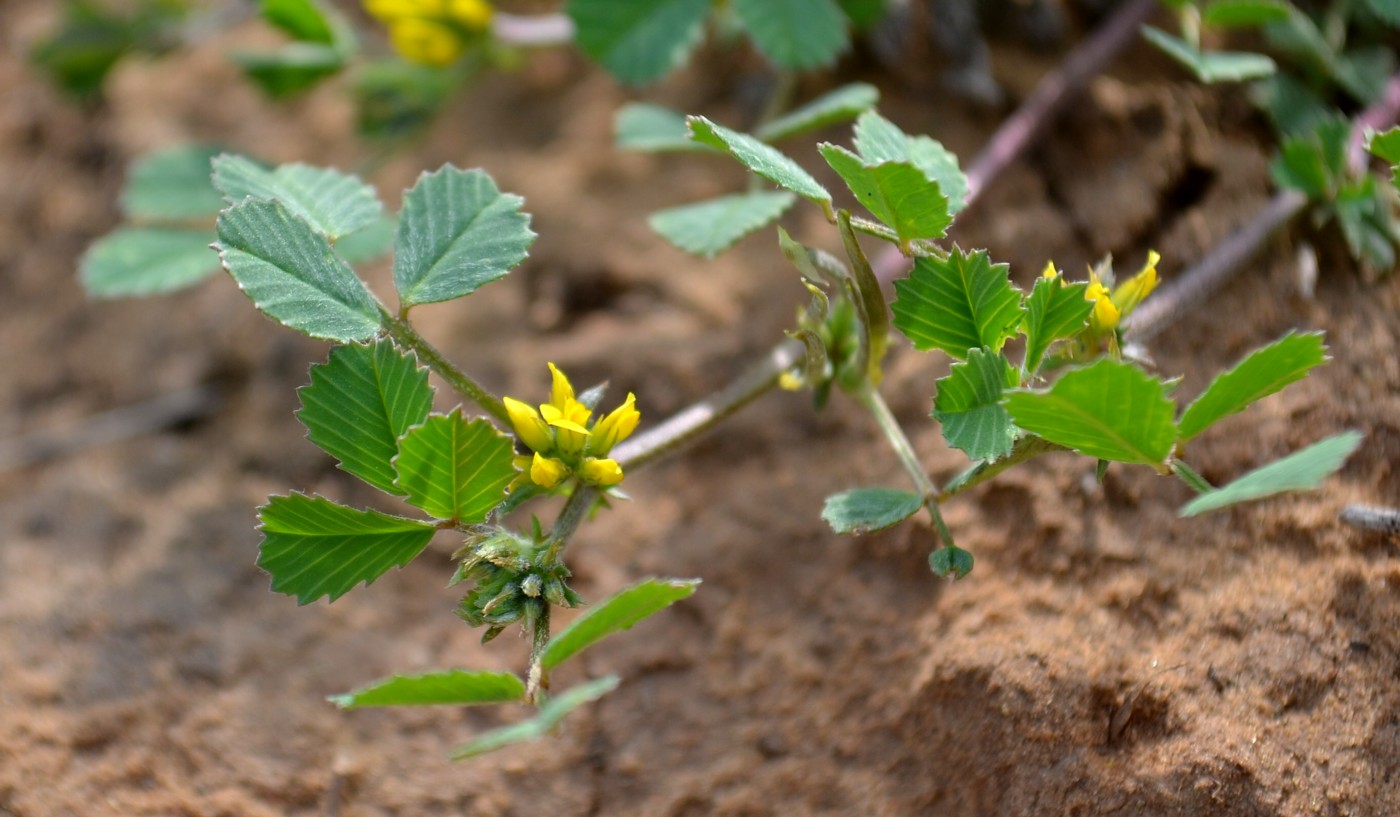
[[145, 668]]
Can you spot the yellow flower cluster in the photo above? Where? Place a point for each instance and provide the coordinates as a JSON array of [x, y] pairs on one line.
[[1112, 306], [562, 441], [432, 32]]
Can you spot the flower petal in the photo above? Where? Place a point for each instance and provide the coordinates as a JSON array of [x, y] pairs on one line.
[[602, 473], [529, 425]]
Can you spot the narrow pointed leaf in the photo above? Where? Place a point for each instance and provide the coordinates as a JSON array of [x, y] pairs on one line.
[[841, 105], [879, 140], [1054, 310], [638, 41], [614, 614], [147, 260], [1265, 371], [766, 161], [1211, 66], [795, 34], [314, 547], [956, 304], [865, 510], [897, 193], [172, 185], [457, 232], [360, 402], [1109, 410], [648, 128], [708, 228], [450, 688], [291, 274], [968, 406], [550, 715], [1300, 471], [455, 468], [334, 203]]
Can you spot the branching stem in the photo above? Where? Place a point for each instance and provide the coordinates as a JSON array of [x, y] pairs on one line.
[[904, 450]]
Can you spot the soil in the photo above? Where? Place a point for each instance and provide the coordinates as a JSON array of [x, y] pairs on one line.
[[1105, 657]]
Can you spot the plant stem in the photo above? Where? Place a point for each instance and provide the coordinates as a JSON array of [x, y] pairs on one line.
[[403, 332], [1191, 477], [537, 681], [894, 432], [580, 501], [1026, 448], [532, 31]]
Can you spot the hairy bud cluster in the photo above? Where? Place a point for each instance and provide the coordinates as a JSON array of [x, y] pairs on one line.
[[511, 581]]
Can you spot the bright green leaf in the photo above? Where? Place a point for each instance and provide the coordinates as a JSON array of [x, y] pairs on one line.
[[638, 41], [1109, 410], [614, 614], [450, 688], [314, 547], [455, 468], [1054, 310], [1211, 66], [1265, 371], [1300, 471], [147, 260], [794, 34], [879, 140], [290, 272], [843, 104], [766, 161], [1386, 146], [956, 304], [866, 13], [969, 407], [1367, 218], [1235, 13], [332, 202], [897, 193], [708, 228], [360, 402], [173, 185], [648, 128], [865, 510], [290, 69], [302, 19], [457, 232], [549, 716]]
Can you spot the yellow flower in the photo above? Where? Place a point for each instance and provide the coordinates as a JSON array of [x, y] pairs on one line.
[[425, 41], [432, 32], [566, 414], [529, 425], [600, 472], [1105, 315], [562, 441], [547, 472], [1130, 293], [474, 14], [615, 427], [1049, 271]]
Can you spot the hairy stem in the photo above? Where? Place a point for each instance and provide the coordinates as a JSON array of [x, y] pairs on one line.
[[404, 333], [537, 682], [904, 450], [580, 501]]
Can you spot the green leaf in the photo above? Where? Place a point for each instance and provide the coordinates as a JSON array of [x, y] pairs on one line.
[[897, 193], [147, 260], [314, 547], [708, 228], [1236, 13], [302, 19], [650, 128], [1364, 72], [172, 184], [1386, 146], [950, 560], [843, 104], [360, 402], [1291, 105], [549, 716], [969, 407], [1109, 410], [291, 274], [1211, 66], [794, 34], [451, 688], [866, 13], [1054, 310], [1265, 371], [1300, 471], [1387, 10], [761, 159], [454, 468], [879, 140], [614, 614], [396, 99], [332, 202], [1367, 218], [457, 232], [638, 41], [956, 304], [368, 242], [865, 510], [1314, 163], [291, 69], [88, 42]]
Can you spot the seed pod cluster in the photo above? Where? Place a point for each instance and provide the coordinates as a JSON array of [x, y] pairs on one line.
[[510, 580]]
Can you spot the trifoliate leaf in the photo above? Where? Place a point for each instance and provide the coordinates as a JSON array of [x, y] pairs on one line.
[[968, 405], [1109, 410], [450, 688], [455, 468], [766, 161], [843, 104], [147, 260], [955, 304], [291, 274], [1211, 66], [865, 510], [360, 402], [457, 232], [555, 710], [314, 547], [1265, 371], [638, 41], [897, 193], [708, 228], [1053, 310], [879, 140], [653, 129], [618, 612], [794, 34], [1301, 471], [172, 185], [334, 203]]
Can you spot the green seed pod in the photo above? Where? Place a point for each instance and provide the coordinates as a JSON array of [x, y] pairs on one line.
[[532, 585]]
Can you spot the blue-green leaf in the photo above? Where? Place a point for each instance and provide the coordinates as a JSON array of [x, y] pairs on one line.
[[638, 41], [968, 405], [865, 510], [1265, 371], [450, 688], [618, 612], [794, 34], [955, 304], [147, 260], [1300, 471], [651, 128], [708, 228], [766, 161], [334, 203], [840, 105], [172, 185]]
